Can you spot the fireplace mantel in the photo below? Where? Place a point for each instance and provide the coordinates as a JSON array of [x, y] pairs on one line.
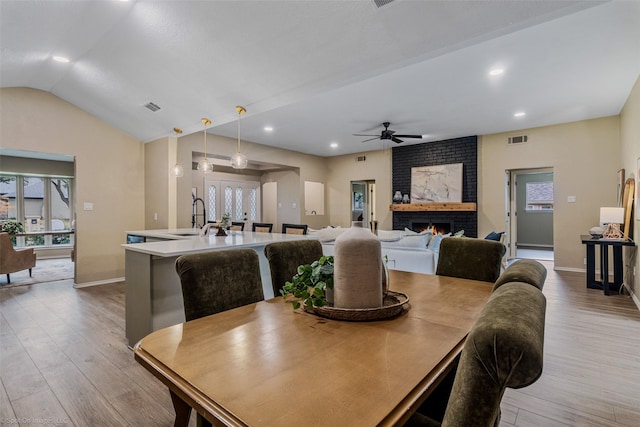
[[429, 207]]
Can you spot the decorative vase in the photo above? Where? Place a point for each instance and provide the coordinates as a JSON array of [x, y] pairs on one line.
[[358, 269], [397, 197], [221, 232], [405, 199]]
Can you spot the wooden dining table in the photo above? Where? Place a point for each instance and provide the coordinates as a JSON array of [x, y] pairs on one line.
[[266, 364]]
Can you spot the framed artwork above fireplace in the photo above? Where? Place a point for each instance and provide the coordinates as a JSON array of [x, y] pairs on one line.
[[440, 183]]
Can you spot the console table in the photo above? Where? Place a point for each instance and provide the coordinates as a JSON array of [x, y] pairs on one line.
[[604, 244]]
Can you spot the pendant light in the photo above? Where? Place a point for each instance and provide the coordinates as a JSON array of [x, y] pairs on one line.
[[204, 165], [239, 160], [177, 170]]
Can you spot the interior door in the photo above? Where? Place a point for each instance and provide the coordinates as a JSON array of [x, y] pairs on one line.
[[363, 200], [241, 199]]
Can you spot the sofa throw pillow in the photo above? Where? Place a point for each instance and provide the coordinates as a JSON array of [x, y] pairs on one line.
[[329, 234], [390, 235], [434, 244], [494, 236], [417, 241], [409, 232]]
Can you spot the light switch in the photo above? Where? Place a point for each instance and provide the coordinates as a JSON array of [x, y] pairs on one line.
[[155, 216], [88, 206], [571, 199], [293, 205], [279, 205]]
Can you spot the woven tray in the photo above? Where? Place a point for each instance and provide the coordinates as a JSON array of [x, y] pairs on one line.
[[393, 305]]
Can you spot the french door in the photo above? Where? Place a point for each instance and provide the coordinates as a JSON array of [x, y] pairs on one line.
[[240, 199]]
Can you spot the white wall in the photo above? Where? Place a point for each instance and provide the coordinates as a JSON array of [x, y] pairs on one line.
[[629, 158], [109, 172], [344, 169], [585, 157]]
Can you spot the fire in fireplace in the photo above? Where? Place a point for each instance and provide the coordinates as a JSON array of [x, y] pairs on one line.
[[438, 226]]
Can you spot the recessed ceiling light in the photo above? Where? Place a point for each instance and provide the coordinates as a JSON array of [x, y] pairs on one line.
[[519, 114], [334, 145], [496, 71], [60, 59], [268, 128]]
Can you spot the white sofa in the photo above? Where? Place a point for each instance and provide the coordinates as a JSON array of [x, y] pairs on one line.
[[404, 250]]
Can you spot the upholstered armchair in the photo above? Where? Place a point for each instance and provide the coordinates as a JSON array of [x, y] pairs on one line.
[[285, 257], [468, 258], [12, 260], [503, 349]]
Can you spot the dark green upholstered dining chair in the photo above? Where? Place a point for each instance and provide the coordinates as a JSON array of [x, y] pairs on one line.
[[285, 257], [525, 270], [219, 280], [504, 349], [469, 258]]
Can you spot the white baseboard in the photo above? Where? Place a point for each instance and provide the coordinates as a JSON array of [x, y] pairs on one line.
[[573, 270], [98, 282]]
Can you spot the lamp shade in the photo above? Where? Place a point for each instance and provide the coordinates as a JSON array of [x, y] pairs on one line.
[[611, 215]]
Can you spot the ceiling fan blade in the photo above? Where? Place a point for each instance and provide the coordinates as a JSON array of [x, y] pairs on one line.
[[364, 134], [409, 136], [370, 139], [396, 140]]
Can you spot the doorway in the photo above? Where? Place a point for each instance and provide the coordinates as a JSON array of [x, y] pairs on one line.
[[529, 214], [240, 199], [363, 195]]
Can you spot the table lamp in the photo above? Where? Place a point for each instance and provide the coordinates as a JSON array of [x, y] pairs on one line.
[[612, 218]]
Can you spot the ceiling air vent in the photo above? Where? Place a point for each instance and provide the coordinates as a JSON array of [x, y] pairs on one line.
[[153, 107], [518, 139], [361, 159], [380, 3]]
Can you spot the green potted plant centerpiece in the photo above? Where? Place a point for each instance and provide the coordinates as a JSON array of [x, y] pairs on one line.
[[310, 284], [225, 222]]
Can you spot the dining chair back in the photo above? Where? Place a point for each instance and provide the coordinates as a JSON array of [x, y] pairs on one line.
[[262, 227], [469, 258], [294, 228], [503, 349], [285, 257], [524, 270], [219, 280], [237, 226]]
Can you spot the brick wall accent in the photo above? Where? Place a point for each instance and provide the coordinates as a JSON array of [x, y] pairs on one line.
[[458, 150]]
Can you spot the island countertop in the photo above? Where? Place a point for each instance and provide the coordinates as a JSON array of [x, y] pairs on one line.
[[186, 240], [153, 293]]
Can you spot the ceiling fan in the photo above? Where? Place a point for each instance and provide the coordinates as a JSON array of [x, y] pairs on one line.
[[388, 134]]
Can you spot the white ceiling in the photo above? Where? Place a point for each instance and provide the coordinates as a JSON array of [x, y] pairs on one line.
[[320, 71]]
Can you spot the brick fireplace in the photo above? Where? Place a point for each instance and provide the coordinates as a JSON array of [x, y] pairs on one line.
[[459, 150]]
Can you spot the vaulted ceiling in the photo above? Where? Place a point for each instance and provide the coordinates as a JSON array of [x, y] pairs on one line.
[[319, 71]]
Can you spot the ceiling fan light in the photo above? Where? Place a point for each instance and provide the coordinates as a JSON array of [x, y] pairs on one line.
[[239, 161]]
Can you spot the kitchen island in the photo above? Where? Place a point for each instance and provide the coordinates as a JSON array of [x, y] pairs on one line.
[[153, 291]]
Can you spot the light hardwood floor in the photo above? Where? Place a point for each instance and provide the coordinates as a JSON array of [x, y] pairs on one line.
[[64, 361]]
